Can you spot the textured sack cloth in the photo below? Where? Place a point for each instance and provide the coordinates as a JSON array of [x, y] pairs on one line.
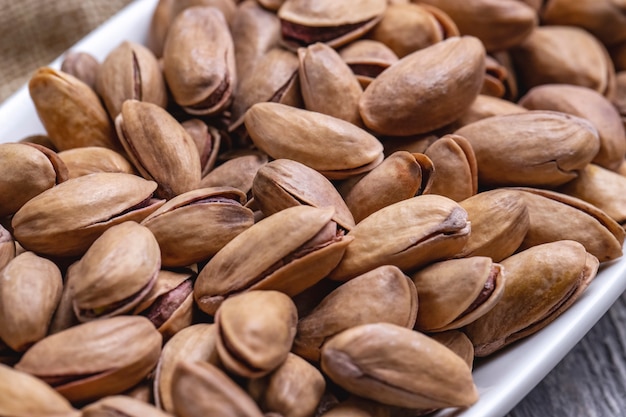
[[35, 32]]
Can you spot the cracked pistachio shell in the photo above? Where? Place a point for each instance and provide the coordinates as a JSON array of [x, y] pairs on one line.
[[455, 169], [27, 170], [438, 83], [207, 139], [408, 234], [237, 172], [23, 395], [195, 225], [159, 147], [332, 22], [455, 292], [499, 24], [284, 183], [302, 245], [533, 148], [542, 282], [486, 106], [81, 65], [255, 332], [227, 7], [121, 406], [95, 359], [193, 343], [199, 61], [130, 72], [384, 294], [328, 84], [64, 316], [92, 159], [65, 220], [500, 221], [367, 59], [201, 389], [70, 111], [118, 270], [601, 187], [458, 342], [287, 132], [30, 290], [294, 389], [7, 247], [400, 176], [555, 216], [590, 105], [398, 366]]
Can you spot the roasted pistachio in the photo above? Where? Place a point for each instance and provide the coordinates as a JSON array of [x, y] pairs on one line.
[[91, 159], [81, 65], [121, 406]]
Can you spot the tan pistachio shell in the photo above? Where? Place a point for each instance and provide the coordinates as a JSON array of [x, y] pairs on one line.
[[428, 79], [195, 225], [159, 147], [387, 363], [255, 331], [118, 270], [122, 406], [286, 132], [486, 106], [237, 172], [64, 316], [30, 290], [408, 234], [202, 389], [500, 221], [130, 71], [533, 148], [159, 25], [384, 294], [95, 359], [367, 59], [92, 159], [556, 216], [358, 407], [294, 389], [456, 292], [302, 246], [458, 342], [284, 183], [24, 395], [227, 7], [70, 111], [193, 343], [81, 65], [207, 139], [7, 247], [542, 282]]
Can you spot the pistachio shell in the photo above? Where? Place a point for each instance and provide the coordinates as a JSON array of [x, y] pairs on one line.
[[367, 59], [92, 159], [207, 139], [458, 342], [122, 406], [81, 65], [486, 106], [7, 247], [358, 407], [237, 172]]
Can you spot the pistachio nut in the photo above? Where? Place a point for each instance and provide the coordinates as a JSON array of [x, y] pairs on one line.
[[255, 332], [159, 147], [294, 389], [398, 366], [7, 247], [66, 219], [533, 148], [227, 7], [408, 234], [385, 294], [287, 132], [455, 292], [458, 342], [207, 139], [328, 84], [118, 270], [23, 395], [367, 59], [199, 61], [70, 111], [30, 289], [303, 245], [328, 21], [499, 24], [237, 172], [455, 173], [601, 187], [27, 170], [121, 406], [284, 183], [555, 216], [81, 65], [500, 221], [130, 72], [542, 282], [95, 359], [486, 106], [91, 159], [438, 82], [201, 389], [193, 343]]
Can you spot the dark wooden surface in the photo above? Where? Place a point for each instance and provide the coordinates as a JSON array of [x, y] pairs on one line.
[[591, 380]]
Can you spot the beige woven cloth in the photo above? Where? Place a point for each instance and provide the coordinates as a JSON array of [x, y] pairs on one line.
[[34, 32]]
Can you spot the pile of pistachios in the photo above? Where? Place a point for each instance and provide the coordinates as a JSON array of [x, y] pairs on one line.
[[308, 208]]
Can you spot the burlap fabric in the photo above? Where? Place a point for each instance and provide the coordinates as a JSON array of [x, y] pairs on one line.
[[35, 32]]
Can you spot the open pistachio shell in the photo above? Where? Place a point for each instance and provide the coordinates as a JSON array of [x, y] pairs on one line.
[[237, 172], [81, 65], [486, 106], [92, 159], [367, 59]]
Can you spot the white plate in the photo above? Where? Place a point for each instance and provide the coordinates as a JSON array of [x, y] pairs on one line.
[[504, 378]]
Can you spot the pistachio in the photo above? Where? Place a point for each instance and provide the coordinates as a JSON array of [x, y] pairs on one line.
[[81, 65], [227, 7], [91, 159], [486, 106], [237, 172], [122, 406], [367, 59], [358, 407], [159, 25], [7, 247], [458, 342], [207, 139]]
